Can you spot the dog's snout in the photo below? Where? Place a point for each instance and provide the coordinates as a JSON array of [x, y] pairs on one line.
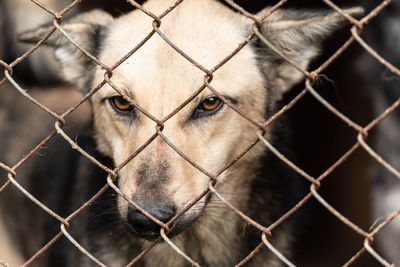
[[146, 227]]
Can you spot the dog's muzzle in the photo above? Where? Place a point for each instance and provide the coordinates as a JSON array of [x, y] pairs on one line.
[[145, 227]]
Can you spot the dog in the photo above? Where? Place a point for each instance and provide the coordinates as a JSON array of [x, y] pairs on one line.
[[206, 130]]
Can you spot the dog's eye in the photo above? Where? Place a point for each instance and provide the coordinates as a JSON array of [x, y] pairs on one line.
[[120, 104], [208, 106]]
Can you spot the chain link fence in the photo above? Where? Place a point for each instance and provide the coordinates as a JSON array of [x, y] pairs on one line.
[[315, 182]]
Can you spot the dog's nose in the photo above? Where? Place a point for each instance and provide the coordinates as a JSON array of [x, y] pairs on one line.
[[142, 225]]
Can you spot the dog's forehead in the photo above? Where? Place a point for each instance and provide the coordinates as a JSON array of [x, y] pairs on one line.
[[207, 32]]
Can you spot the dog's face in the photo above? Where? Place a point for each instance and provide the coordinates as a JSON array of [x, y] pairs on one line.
[[159, 80]]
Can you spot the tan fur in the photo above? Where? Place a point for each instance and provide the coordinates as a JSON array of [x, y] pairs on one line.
[[168, 80], [159, 79]]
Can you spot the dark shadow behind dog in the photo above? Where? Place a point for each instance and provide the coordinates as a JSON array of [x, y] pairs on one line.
[[22, 127]]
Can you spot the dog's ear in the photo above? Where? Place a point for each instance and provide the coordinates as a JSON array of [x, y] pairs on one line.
[[86, 30], [298, 35]]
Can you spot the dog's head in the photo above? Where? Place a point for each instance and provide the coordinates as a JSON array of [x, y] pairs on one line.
[[159, 79]]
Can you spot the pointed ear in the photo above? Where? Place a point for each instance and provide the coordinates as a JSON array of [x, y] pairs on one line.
[[298, 35], [85, 29]]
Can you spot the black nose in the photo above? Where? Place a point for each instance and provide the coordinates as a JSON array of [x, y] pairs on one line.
[[144, 226]]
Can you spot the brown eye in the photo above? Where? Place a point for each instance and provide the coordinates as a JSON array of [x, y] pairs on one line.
[[120, 104], [208, 107], [210, 104]]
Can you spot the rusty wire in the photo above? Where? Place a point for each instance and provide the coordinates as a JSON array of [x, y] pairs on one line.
[[262, 126]]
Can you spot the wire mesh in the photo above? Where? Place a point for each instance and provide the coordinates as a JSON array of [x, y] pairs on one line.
[[311, 77]]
